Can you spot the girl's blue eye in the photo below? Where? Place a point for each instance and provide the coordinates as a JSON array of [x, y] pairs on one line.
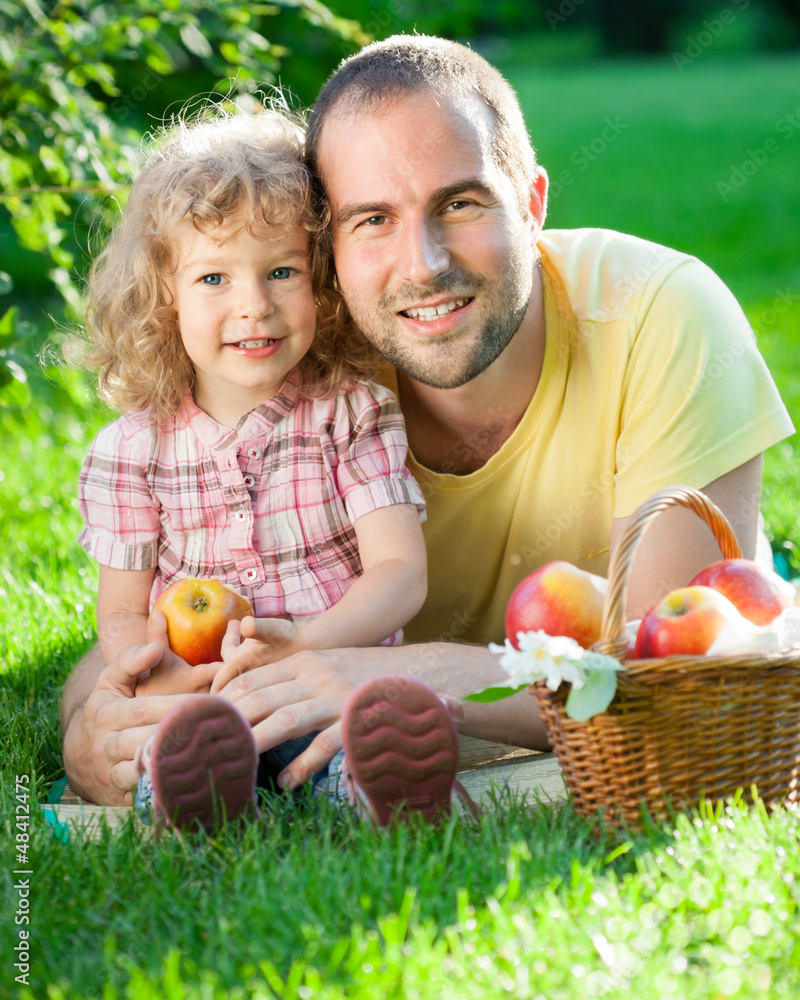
[[281, 273], [211, 279]]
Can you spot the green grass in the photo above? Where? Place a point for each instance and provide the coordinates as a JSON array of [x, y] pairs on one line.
[[531, 903]]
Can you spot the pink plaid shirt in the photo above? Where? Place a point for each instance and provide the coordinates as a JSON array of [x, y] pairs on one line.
[[267, 508]]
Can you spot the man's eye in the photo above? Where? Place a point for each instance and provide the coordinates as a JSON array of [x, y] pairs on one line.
[[212, 279], [281, 273], [374, 220], [456, 205]]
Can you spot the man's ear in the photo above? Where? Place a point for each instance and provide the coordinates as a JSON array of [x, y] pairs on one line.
[[538, 201]]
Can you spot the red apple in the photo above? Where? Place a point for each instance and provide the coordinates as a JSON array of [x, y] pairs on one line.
[[198, 612], [560, 599], [758, 593], [685, 623]]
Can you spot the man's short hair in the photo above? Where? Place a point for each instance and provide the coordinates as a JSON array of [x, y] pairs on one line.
[[405, 64]]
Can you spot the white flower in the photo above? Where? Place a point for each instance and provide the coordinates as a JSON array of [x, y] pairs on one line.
[[542, 657]]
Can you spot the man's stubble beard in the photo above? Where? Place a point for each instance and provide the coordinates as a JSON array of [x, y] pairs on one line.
[[443, 363]]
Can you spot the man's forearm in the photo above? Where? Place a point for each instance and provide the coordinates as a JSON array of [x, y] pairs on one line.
[[456, 670], [79, 685]]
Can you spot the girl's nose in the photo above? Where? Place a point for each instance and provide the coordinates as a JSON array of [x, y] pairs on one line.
[[254, 302]]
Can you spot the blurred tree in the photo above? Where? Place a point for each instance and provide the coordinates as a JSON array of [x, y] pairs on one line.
[[79, 78], [629, 26], [459, 19]]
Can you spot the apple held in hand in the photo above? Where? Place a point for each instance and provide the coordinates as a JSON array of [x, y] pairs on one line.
[[685, 623], [757, 592], [197, 613], [560, 599]]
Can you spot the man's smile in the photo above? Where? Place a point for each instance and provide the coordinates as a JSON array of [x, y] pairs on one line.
[[427, 313]]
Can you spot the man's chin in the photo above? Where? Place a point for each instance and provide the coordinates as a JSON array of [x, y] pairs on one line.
[[439, 369], [447, 365], [438, 379]]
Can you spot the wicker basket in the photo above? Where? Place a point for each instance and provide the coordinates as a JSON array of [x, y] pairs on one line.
[[679, 728]]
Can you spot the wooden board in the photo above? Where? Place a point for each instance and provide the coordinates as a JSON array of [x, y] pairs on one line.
[[84, 818], [485, 770]]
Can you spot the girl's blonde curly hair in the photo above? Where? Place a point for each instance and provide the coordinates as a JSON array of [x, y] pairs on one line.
[[231, 168]]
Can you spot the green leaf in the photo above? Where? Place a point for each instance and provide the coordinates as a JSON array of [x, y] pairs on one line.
[[14, 394], [8, 322], [495, 693], [195, 41], [594, 697]]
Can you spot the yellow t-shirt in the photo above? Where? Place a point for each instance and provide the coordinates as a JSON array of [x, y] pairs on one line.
[[651, 378]]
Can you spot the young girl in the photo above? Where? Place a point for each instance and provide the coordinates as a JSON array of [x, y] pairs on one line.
[[251, 449]]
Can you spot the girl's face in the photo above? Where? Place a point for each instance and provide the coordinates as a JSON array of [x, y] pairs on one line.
[[246, 312]]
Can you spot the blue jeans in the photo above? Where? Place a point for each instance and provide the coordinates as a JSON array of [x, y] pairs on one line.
[[270, 764]]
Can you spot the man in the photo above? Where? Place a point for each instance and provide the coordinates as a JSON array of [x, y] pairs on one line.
[[550, 383]]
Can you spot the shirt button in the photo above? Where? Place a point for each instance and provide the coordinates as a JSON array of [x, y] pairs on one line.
[[249, 481], [254, 453], [249, 575], [240, 515]]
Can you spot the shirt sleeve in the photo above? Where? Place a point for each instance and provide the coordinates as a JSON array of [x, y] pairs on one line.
[[370, 437], [698, 400], [120, 513]]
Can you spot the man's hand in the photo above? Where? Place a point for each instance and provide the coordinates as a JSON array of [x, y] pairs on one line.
[[307, 692], [298, 695], [102, 734]]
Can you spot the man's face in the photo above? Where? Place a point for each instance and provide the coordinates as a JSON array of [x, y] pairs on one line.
[[433, 254]]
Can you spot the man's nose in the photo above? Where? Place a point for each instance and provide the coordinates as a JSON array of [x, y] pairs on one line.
[[423, 255]]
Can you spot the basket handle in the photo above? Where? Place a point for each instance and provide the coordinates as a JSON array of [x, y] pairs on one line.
[[613, 624]]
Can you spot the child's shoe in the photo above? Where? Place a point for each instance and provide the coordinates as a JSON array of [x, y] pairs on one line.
[[401, 749], [201, 763]]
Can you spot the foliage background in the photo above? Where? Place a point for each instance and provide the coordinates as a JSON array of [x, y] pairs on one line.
[[82, 80]]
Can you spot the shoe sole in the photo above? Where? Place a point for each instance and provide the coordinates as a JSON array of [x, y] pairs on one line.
[[401, 748], [202, 764]]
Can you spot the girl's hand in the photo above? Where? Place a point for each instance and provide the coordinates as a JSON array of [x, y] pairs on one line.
[[258, 641], [174, 675]]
